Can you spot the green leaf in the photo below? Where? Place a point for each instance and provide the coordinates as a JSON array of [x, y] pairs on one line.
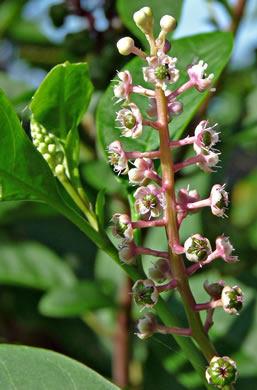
[[62, 98], [185, 49], [31, 264], [165, 7], [27, 368], [24, 174], [75, 300], [99, 207]]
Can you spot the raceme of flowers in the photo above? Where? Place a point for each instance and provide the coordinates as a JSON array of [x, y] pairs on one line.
[[160, 72]]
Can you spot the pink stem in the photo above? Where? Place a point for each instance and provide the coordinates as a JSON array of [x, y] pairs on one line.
[[198, 204], [189, 161], [173, 330], [191, 270], [209, 322], [182, 142], [146, 224], [147, 251], [139, 53], [168, 286], [180, 90], [134, 155], [208, 305], [149, 174], [153, 124], [142, 91]]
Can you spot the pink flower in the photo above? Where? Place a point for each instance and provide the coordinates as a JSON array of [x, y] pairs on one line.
[[198, 77], [205, 137], [122, 90], [122, 227], [218, 200], [131, 121], [224, 249], [197, 248], [161, 70], [210, 160], [138, 175], [118, 158], [150, 201]]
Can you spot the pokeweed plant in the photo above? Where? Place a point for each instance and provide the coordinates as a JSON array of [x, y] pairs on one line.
[[48, 172]]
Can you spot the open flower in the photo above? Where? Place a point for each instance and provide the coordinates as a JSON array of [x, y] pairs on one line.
[[118, 157], [145, 293], [143, 166], [218, 200], [210, 160], [131, 121], [161, 70], [150, 201], [232, 299], [198, 77], [224, 249], [122, 90], [197, 248], [122, 227], [222, 371], [205, 137]]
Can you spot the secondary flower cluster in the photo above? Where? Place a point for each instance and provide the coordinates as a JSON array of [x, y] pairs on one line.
[[151, 200]]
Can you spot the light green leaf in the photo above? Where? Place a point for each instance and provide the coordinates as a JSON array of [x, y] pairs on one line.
[[27, 368], [185, 49], [75, 300], [165, 7], [62, 98], [31, 264]]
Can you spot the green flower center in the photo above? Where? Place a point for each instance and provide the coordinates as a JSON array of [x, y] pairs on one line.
[[222, 373], [221, 204], [115, 158], [233, 301], [121, 228], [161, 72], [150, 201], [206, 138], [199, 248], [142, 295], [129, 121]]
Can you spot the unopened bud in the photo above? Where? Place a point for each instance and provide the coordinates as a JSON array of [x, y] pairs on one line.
[[221, 372], [159, 271], [125, 46], [146, 326], [59, 170], [214, 289], [42, 148], [127, 252], [144, 19], [168, 23]]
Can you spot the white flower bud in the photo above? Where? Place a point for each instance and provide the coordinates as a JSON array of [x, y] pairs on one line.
[[51, 148], [59, 170], [144, 19], [42, 148], [168, 23], [125, 46], [146, 326]]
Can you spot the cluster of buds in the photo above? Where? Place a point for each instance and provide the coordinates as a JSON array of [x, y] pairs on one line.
[[155, 200], [49, 146]]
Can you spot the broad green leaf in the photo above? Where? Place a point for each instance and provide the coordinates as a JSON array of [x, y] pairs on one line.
[[28, 368], [185, 49], [31, 264], [75, 300], [165, 7], [62, 98], [24, 174]]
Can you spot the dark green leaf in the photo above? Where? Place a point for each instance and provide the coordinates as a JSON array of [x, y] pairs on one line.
[[74, 300], [62, 98], [32, 265], [185, 49], [99, 207], [27, 368], [165, 7]]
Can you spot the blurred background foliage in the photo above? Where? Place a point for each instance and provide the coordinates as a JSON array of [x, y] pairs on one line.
[[42, 256]]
